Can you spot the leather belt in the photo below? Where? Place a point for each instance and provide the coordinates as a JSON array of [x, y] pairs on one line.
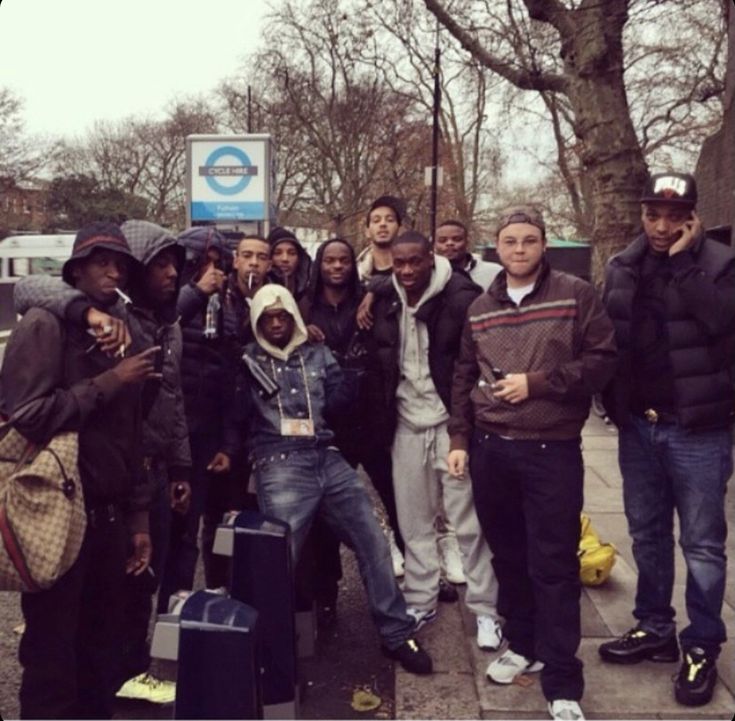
[[653, 416]]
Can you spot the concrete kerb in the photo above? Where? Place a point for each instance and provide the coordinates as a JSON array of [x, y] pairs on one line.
[[459, 688]]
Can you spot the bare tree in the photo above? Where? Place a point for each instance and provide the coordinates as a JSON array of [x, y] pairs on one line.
[[574, 53], [20, 155], [342, 136], [140, 157], [403, 50]]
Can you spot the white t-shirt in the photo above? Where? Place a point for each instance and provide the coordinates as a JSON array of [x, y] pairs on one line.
[[518, 294]]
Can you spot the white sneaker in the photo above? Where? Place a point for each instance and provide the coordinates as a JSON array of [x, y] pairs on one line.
[[450, 559], [489, 633], [506, 667], [395, 554], [565, 710], [421, 617]]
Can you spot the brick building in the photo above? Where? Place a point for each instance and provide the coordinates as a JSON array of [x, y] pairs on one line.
[[22, 205]]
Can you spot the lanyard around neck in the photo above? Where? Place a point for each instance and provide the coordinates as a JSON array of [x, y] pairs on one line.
[[306, 387]]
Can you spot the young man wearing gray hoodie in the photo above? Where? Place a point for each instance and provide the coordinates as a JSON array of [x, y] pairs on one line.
[[298, 470], [418, 321]]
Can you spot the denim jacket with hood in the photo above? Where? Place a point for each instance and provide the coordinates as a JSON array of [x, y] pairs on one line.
[[311, 383]]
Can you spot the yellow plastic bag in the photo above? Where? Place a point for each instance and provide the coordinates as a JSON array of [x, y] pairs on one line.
[[596, 559]]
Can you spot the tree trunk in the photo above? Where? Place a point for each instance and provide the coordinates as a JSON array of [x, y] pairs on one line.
[[611, 156]]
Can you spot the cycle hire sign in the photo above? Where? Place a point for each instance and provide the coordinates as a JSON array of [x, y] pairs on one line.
[[228, 177]]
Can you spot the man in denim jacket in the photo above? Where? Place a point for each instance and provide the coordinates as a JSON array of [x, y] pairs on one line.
[[299, 472]]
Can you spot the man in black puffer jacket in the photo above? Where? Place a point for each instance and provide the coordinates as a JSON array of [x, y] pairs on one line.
[[671, 296], [415, 341], [206, 379]]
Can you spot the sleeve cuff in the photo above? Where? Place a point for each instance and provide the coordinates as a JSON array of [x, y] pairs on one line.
[[179, 474], [536, 383], [458, 442], [137, 522], [108, 383], [76, 311]]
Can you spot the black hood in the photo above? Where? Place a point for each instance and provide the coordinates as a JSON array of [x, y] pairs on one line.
[[146, 241], [197, 241], [315, 282], [302, 269]]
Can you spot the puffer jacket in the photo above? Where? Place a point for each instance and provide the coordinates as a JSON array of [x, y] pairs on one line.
[[444, 315], [700, 322], [205, 370]]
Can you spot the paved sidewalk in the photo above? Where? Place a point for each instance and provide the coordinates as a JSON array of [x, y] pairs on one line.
[[460, 690]]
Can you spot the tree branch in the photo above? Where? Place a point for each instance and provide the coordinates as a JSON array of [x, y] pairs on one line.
[[520, 78]]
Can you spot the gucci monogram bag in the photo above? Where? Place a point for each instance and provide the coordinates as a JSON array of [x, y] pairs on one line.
[[42, 518]]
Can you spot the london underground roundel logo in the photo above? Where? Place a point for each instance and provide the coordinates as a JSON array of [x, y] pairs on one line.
[[239, 167]]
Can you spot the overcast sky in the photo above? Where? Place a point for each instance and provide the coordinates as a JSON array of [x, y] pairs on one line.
[[77, 61]]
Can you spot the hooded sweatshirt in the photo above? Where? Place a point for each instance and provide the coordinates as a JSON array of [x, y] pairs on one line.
[[165, 434], [419, 404], [298, 283], [337, 322], [312, 385]]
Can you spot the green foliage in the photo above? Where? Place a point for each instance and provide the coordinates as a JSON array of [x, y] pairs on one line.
[[78, 199]]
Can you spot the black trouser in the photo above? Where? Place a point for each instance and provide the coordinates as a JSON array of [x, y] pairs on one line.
[[212, 494], [528, 496], [139, 590], [71, 648]]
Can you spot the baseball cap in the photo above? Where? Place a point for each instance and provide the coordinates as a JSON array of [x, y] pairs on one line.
[[520, 214], [676, 188]]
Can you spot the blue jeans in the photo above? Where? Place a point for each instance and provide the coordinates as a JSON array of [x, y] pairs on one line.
[[295, 485], [666, 467]]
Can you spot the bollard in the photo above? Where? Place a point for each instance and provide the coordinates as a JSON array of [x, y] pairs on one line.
[[219, 675], [262, 577]]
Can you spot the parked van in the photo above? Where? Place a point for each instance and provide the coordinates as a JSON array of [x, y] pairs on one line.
[[22, 255]]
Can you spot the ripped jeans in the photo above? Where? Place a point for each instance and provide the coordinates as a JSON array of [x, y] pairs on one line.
[[295, 485]]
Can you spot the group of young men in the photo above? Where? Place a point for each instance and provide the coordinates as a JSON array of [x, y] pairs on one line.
[[461, 388]]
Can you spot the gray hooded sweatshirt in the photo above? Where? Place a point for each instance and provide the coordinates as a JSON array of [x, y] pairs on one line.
[[419, 404]]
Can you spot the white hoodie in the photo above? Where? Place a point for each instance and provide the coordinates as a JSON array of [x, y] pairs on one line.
[[419, 404], [276, 295]]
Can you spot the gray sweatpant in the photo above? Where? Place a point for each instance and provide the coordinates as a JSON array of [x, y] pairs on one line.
[[422, 486]]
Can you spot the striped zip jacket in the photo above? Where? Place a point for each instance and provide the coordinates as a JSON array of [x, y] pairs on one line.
[[560, 336]]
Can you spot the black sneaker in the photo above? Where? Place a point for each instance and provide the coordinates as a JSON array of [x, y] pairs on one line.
[[447, 592], [411, 656], [696, 680], [638, 645]]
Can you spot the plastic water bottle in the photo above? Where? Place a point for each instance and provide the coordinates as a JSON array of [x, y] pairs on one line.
[[211, 317]]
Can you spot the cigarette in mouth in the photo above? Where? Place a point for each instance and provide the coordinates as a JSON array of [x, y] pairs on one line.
[[124, 298], [250, 281]]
